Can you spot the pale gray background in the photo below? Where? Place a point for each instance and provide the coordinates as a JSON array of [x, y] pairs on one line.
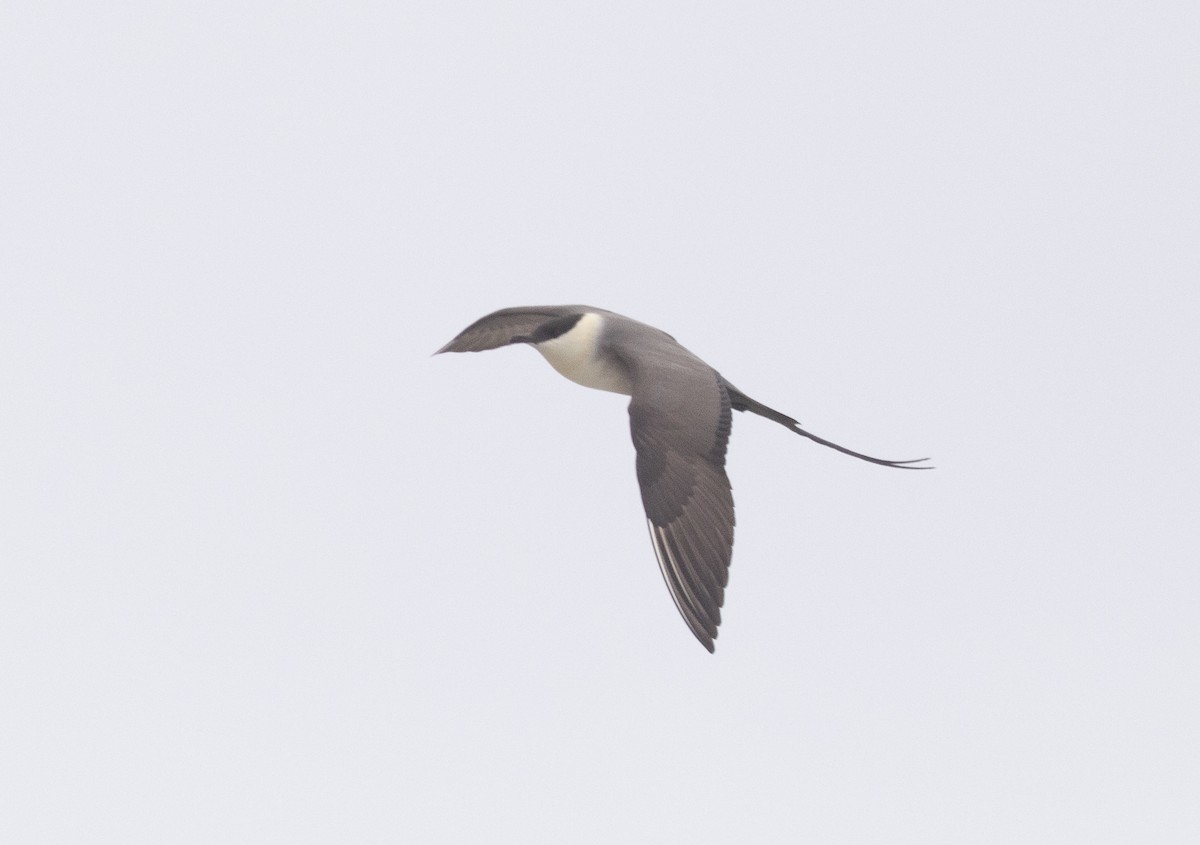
[[271, 573]]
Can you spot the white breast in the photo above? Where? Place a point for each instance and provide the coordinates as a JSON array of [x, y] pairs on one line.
[[575, 355]]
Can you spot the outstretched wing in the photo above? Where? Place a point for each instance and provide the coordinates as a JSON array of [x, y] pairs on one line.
[[500, 327], [680, 418]]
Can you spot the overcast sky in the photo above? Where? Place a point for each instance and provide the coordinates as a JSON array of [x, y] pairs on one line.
[[269, 572]]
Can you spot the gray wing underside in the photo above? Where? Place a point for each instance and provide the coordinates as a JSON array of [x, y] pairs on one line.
[[680, 425], [498, 328]]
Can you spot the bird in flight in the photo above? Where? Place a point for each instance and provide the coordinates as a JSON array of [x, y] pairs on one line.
[[680, 414]]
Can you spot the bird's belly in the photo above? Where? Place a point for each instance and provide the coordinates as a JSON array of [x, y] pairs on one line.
[[588, 371]]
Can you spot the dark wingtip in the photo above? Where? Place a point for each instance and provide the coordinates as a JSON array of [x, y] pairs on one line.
[[453, 346]]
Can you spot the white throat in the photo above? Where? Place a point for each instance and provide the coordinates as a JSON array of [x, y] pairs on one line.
[[575, 354]]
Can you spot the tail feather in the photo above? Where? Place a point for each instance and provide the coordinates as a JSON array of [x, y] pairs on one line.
[[741, 402]]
